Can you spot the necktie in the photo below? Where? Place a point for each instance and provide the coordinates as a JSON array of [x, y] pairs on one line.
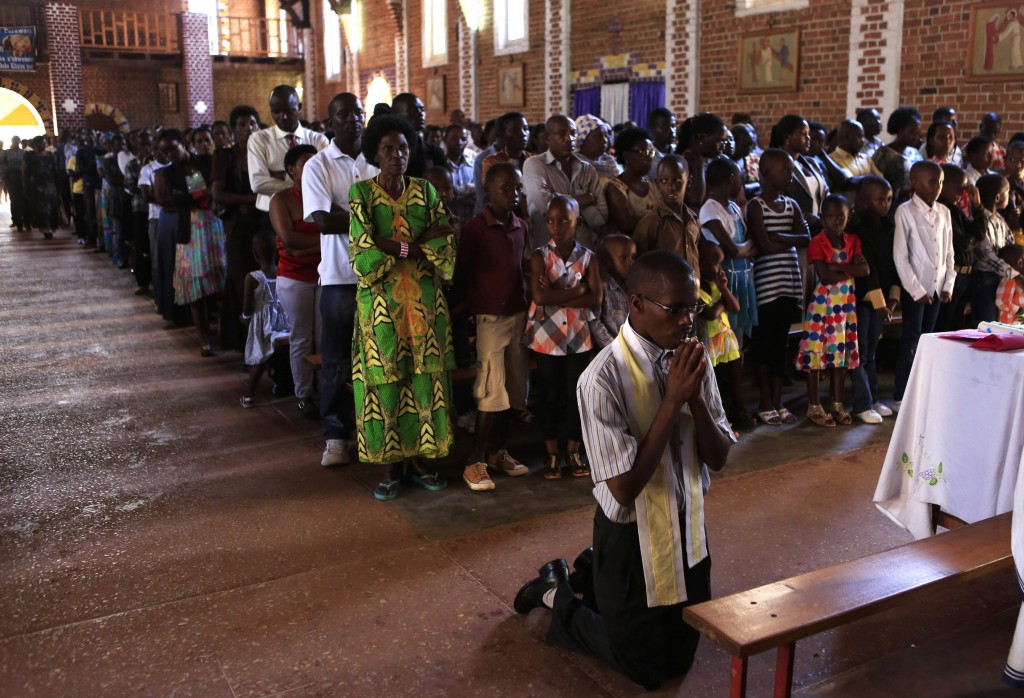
[[292, 140]]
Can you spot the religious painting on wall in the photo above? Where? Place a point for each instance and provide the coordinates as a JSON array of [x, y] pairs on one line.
[[768, 61], [168, 96], [511, 92], [435, 94], [996, 36]]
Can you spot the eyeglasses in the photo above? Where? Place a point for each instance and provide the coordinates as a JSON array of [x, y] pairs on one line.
[[694, 309], [646, 152]]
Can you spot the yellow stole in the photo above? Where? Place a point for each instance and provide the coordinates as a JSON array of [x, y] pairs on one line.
[[657, 508]]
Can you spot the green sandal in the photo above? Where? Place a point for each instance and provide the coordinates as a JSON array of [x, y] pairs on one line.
[[386, 490], [430, 481]]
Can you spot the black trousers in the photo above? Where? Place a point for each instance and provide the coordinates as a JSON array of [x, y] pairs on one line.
[[648, 645], [142, 263], [559, 408]]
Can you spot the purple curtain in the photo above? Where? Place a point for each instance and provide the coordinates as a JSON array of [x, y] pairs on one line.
[[588, 101], [643, 98]]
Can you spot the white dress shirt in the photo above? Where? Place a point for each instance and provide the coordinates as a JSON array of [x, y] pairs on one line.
[[267, 149], [923, 248], [326, 180], [146, 178], [543, 179]]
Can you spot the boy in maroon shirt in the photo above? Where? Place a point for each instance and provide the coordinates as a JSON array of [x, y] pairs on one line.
[[493, 249]]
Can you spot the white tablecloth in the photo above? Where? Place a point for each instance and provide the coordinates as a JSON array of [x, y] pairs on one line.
[[959, 437]]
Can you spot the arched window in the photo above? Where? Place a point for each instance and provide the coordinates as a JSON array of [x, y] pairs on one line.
[[331, 42], [435, 32], [511, 27]]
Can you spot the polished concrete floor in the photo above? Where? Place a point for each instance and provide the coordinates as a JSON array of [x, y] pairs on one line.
[[156, 539]]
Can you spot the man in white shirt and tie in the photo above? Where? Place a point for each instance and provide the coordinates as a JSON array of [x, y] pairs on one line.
[[268, 147], [326, 180], [923, 253]]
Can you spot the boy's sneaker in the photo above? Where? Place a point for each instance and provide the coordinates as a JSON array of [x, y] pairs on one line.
[[869, 417], [508, 465], [881, 409], [477, 478], [467, 421], [336, 453]]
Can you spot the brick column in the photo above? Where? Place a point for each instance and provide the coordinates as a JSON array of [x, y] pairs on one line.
[[682, 41], [312, 58], [467, 68], [556, 57], [67, 94], [196, 68], [876, 45]]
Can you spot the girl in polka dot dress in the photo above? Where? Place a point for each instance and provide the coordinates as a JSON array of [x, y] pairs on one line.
[[829, 340]]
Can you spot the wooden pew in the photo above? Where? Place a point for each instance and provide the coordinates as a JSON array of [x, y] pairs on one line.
[[777, 615]]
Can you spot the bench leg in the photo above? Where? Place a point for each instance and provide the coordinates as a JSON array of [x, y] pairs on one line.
[[784, 671], [738, 687]]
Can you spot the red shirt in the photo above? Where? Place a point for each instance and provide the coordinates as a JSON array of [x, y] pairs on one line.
[[489, 264], [300, 268]]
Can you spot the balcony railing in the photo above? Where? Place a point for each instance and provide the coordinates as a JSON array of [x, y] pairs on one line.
[[128, 31], [254, 37]]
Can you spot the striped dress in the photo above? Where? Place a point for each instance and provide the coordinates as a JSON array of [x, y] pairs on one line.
[[777, 275]]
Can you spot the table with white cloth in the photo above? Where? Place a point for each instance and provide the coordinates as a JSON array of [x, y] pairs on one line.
[[958, 444]]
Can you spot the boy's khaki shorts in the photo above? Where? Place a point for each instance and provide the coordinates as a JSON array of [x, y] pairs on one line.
[[502, 362]]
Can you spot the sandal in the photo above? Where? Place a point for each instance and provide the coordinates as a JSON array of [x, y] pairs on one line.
[[743, 418], [309, 408], [818, 415], [787, 417], [577, 466], [206, 350], [552, 468], [430, 481], [386, 490], [770, 417], [248, 402], [840, 415]]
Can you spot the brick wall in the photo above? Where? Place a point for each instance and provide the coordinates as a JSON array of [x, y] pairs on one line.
[[934, 73], [63, 49], [248, 84]]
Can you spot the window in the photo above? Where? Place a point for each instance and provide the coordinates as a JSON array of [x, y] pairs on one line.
[[745, 8], [435, 32], [209, 8], [332, 42], [511, 27]]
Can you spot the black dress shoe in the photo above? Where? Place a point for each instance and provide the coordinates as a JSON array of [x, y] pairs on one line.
[[531, 595], [583, 569]]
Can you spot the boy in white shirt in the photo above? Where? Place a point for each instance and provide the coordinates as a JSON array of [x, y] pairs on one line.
[[923, 252]]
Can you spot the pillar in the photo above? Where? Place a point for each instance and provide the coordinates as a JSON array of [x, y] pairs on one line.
[[682, 44], [467, 69], [196, 68], [556, 56], [876, 45], [67, 93], [312, 57]]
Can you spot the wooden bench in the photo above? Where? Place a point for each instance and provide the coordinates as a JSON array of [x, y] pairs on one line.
[[777, 615]]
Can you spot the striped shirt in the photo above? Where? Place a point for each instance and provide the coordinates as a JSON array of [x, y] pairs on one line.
[[777, 275], [611, 447]]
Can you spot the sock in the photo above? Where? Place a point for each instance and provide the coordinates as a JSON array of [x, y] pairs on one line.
[[549, 598]]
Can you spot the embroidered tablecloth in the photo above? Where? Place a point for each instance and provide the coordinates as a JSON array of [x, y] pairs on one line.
[[958, 439]]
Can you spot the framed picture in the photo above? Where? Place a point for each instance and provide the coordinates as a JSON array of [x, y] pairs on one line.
[[511, 89], [768, 61], [996, 32], [435, 94], [168, 96]]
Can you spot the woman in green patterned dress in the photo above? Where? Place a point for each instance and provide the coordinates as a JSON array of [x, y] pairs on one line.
[[402, 248]]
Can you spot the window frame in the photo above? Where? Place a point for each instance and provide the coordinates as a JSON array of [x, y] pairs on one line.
[[430, 58], [331, 18], [746, 8], [503, 46]]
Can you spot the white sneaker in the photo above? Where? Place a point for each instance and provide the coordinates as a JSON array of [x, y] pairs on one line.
[[881, 409], [467, 421], [869, 417], [336, 453]]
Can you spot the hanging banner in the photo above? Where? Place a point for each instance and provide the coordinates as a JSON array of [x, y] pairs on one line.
[[17, 48]]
